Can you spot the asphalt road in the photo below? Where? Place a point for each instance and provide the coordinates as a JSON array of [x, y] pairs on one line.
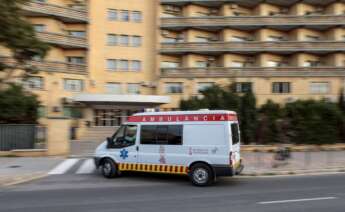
[[142, 192]]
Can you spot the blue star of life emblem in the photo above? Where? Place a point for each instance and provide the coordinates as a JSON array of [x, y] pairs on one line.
[[124, 154]]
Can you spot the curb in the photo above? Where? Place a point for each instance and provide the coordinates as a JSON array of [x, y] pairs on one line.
[[294, 173], [23, 179]]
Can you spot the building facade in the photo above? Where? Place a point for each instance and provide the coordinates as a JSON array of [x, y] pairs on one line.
[[110, 58]]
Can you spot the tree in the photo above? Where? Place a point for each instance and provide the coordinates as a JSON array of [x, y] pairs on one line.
[[17, 106], [314, 122], [18, 36], [248, 117], [341, 101], [269, 129], [218, 98]]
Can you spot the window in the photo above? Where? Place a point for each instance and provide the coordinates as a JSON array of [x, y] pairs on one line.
[[74, 85], [235, 136], [111, 40], [243, 87], [204, 85], [274, 38], [201, 39], [133, 88], [124, 15], [161, 134], [166, 64], [34, 83], [319, 87], [79, 34], [124, 137], [76, 60], [311, 63], [311, 38], [39, 27], [124, 40], [201, 64], [72, 112], [113, 88], [123, 65], [173, 40], [281, 87], [273, 63], [237, 64], [136, 65], [238, 39], [112, 15], [173, 87], [136, 16], [111, 64], [136, 41]]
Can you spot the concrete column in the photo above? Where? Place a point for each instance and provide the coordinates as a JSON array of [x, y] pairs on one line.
[[58, 136]]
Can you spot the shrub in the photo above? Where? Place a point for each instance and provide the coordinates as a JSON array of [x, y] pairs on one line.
[[17, 106]]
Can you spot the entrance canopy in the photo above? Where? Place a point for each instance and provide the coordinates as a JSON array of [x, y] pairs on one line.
[[114, 99]]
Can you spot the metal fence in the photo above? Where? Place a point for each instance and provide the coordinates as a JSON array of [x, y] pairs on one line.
[[21, 136]]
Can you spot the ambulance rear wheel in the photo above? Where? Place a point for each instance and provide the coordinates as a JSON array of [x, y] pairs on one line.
[[201, 175], [109, 169]]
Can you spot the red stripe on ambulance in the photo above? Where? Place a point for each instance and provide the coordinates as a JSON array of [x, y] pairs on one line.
[[183, 118]]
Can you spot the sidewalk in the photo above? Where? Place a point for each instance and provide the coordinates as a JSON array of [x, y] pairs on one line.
[[21, 169], [262, 163]]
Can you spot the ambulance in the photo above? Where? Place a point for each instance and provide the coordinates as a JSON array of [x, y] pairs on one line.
[[201, 144]]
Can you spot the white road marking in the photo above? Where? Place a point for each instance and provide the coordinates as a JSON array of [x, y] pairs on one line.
[[296, 200], [64, 166], [87, 167]]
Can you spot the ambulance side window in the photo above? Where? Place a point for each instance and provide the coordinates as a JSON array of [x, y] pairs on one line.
[[148, 134], [161, 134], [234, 134]]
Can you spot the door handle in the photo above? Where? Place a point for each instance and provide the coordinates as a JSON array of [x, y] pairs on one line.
[[137, 148]]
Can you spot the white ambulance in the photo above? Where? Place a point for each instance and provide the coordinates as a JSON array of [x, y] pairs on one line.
[[201, 144]]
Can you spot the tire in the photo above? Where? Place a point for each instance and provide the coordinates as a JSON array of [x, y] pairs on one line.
[[201, 175], [109, 169]]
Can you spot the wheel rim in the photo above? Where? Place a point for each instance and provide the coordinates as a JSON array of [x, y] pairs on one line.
[[107, 168], [200, 175]]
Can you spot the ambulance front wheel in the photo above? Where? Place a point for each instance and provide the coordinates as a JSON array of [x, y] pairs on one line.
[[109, 169], [201, 175]]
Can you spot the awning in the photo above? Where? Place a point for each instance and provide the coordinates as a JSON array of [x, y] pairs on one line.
[[114, 99]]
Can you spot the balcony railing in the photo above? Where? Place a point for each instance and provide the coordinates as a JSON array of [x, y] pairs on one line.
[[65, 14], [242, 2], [253, 72], [50, 66], [280, 21], [253, 46], [63, 41]]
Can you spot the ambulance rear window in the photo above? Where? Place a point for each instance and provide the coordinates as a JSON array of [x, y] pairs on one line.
[[234, 134], [161, 134]]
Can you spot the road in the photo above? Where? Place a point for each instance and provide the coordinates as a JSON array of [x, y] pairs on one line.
[[146, 192]]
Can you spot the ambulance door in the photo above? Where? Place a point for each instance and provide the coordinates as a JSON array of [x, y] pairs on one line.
[[148, 149], [235, 139], [161, 144], [122, 146]]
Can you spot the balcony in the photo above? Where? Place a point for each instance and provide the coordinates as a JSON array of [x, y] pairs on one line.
[[253, 72], [280, 22], [65, 14], [51, 66], [249, 3], [284, 47], [63, 41]]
